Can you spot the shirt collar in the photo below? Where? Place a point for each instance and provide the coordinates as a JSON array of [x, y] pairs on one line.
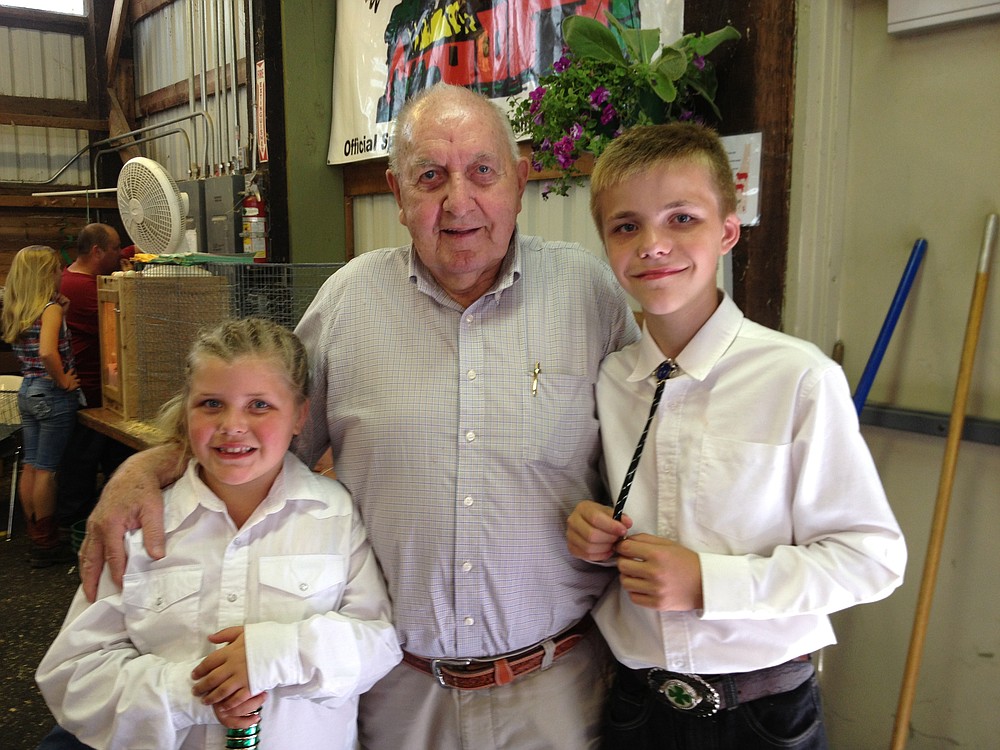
[[294, 484], [510, 271], [703, 351]]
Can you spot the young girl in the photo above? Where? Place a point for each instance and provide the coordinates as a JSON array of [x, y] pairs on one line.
[[268, 588], [34, 324]]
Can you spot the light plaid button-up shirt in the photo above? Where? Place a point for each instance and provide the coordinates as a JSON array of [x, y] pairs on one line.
[[464, 476]]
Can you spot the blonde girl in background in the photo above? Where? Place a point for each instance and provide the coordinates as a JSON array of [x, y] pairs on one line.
[[34, 324], [267, 586]]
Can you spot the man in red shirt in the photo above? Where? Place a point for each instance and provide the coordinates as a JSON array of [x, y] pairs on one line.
[[98, 254]]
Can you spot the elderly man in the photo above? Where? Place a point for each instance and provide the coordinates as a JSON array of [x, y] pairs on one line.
[[454, 381]]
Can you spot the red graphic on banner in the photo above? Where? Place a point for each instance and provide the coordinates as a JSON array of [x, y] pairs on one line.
[[493, 46]]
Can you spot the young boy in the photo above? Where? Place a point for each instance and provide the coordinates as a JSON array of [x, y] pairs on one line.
[[755, 509]]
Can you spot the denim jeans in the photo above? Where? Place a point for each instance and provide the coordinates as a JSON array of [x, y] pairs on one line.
[[60, 739], [636, 719], [48, 414]]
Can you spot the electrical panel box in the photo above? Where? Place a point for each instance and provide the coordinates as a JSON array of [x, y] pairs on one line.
[[223, 217], [194, 224], [912, 16]]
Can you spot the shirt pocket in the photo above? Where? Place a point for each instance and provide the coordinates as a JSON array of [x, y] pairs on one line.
[[296, 586], [161, 602], [743, 494], [561, 423]]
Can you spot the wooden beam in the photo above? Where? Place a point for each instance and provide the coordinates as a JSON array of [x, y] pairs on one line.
[[42, 121], [71, 201], [119, 18], [119, 124], [176, 94], [37, 20], [139, 9]]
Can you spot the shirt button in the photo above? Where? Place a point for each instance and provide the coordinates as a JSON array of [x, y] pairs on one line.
[[470, 436], [469, 318], [467, 502], [303, 587], [466, 567], [471, 374], [469, 621], [231, 598], [159, 601]]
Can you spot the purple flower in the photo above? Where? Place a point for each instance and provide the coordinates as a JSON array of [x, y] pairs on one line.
[[537, 94], [576, 131], [699, 62], [598, 96], [536, 165], [608, 114], [561, 64], [538, 119], [545, 145], [563, 150], [686, 114]]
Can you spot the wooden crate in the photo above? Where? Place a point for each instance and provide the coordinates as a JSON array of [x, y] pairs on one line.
[[147, 325]]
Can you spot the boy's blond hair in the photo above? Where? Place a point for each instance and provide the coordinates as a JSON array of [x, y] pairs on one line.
[[641, 148], [31, 285], [229, 341]]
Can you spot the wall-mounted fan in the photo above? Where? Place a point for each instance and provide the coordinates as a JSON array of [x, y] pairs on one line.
[[152, 208]]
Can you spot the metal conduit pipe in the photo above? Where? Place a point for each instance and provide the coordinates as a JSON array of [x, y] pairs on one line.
[[238, 132], [189, 33]]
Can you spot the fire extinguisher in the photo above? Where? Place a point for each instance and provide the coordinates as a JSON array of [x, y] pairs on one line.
[[254, 223]]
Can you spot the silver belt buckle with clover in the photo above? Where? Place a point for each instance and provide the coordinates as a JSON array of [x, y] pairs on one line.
[[687, 693]]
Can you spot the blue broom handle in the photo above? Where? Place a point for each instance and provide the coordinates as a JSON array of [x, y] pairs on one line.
[[882, 342]]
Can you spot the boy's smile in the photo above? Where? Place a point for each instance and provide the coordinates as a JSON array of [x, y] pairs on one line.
[[664, 235]]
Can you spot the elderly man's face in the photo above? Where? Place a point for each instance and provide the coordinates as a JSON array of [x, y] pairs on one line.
[[459, 194]]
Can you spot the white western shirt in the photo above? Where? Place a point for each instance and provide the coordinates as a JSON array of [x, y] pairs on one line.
[[754, 461], [299, 575]]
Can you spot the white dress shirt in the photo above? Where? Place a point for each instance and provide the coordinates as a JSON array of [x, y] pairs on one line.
[[754, 461], [299, 575], [464, 473]]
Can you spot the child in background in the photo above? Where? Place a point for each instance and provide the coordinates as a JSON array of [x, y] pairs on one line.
[[755, 509], [268, 584], [34, 323]]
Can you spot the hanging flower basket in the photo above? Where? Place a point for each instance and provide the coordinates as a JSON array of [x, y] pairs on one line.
[[609, 79]]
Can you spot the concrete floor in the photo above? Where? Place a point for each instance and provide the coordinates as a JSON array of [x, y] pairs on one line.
[[32, 605]]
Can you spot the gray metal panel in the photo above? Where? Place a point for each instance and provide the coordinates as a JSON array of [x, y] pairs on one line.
[[223, 218]]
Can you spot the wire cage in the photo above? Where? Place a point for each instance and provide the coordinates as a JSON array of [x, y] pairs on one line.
[[10, 437], [149, 320]]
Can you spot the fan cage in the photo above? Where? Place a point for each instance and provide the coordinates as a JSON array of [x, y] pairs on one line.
[[161, 225]]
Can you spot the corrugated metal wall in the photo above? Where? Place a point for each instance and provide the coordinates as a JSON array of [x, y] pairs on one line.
[[38, 64], [169, 54]]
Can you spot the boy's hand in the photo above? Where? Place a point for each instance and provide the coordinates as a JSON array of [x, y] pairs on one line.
[[222, 678], [591, 532], [660, 574]]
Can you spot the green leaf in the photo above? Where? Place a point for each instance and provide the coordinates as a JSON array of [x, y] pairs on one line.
[[640, 43], [588, 37], [663, 86], [702, 44], [671, 64]]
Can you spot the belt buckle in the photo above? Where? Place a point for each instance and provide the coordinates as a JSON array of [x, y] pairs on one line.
[[687, 693], [436, 665]]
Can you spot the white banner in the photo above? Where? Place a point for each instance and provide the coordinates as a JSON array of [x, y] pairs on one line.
[[387, 50]]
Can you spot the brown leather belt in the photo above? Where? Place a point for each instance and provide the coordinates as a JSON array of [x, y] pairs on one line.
[[494, 671]]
